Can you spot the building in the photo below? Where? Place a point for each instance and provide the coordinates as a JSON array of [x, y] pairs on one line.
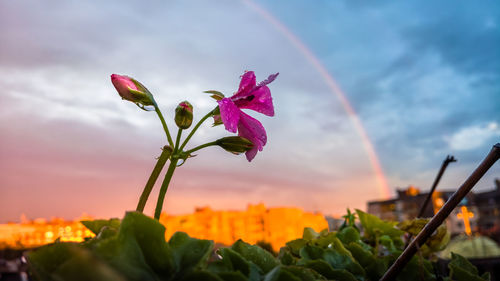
[[477, 213], [488, 204]]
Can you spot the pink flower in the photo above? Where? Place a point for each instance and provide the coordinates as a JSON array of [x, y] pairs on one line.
[[253, 96]]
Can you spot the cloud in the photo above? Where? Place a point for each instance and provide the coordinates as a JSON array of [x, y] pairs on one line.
[[473, 137]]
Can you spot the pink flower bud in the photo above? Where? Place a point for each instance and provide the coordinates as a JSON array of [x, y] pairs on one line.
[[131, 90]]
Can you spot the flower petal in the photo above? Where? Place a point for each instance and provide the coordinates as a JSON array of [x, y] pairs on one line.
[[251, 129], [247, 83], [123, 84], [229, 114], [259, 100]]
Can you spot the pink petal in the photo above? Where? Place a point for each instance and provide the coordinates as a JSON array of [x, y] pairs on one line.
[[260, 100], [122, 84], [229, 114], [251, 129], [247, 83]]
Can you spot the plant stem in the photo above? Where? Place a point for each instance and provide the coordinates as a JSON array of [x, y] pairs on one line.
[[211, 113], [164, 124], [177, 140], [445, 211], [200, 147], [165, 154], [164, 187]]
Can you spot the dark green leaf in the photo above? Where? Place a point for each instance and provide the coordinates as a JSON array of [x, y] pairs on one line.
[[256, 254], [189, 253], [96, 225], [296, 245], [280, 274], [461, 270], [327, 271]]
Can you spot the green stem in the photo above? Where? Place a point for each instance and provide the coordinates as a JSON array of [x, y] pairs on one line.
[[165, 154], [164, 187], [211, 113], [200, 147], [164, 124], [177, 140]]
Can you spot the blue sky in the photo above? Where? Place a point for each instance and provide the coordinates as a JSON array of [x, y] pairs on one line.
[[424, 78]]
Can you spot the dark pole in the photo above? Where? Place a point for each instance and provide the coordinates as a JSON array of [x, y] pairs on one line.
[[445, 211], [446, 161]]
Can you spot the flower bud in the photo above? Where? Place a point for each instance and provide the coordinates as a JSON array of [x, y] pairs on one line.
[[132, 90], [184, 115], [235, 144]]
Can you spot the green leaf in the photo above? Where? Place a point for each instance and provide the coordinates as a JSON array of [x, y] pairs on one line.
[[373, 226], [201, 275], [374, 266], [462, 270], [280, 274], [311, 252], [325, 239], [349, 234], [232, 261], [256, 254], [46, 260], [417, 269], [96, 225], [232, 276], [327, 271], [286, 257], [340, 258], [309, 234], [189, 253], [303, 273], [296, 245], [83, 266], [150, 236]]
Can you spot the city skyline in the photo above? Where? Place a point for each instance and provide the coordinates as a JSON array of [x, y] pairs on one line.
[[421, 81]]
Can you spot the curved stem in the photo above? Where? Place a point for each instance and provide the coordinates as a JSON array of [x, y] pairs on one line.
[[164, 187], [200, 147], [165, 154], [211, 113], [164, 124]]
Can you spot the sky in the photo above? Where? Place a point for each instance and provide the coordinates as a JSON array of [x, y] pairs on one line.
[[421, 80]]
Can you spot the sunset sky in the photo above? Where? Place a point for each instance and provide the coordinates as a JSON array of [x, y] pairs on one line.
[[422, 79]]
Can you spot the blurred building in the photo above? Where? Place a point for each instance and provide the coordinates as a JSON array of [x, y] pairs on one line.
[[255, 224], [478, 212]]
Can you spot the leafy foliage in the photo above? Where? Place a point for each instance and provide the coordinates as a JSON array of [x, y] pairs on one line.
[[135, 249]]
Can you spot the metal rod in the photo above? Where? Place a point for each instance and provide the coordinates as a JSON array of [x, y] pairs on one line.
[[445, 211], [446, 161]]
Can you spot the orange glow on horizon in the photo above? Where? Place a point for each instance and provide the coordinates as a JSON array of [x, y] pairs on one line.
[[257, 223]]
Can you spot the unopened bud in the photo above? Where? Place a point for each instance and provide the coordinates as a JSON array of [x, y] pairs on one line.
[[132, 90], [184, 115], [235, 144]]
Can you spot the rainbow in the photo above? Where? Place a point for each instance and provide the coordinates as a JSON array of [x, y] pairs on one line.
[[335, 89]]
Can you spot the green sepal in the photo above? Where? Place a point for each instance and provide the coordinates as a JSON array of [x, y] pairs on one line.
[[216, 95]]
